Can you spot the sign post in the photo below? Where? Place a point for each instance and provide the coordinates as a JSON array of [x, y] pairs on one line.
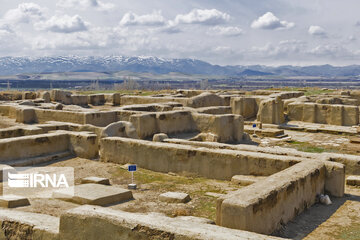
[[132, 169]]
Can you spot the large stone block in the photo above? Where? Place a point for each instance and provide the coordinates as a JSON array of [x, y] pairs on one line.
[[81, 100], [244, 106], [351, 115], [309, 112], [13, 201], [271, 111], [120, 129], [96, 99], [25, 115], [95, 194], [61, 96]]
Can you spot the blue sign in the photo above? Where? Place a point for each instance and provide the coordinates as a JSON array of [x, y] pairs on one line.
[[132, 168], [254, 125]]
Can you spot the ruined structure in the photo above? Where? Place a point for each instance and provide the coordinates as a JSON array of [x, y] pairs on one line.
[[205, 134]]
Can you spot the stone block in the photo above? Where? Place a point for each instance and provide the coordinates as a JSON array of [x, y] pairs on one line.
[[353, 180], [245, 180], [175, 197], [160, 137], [96, 180], [81, 100], [13, 201], [95, 194], [96, 99], [25, 115]]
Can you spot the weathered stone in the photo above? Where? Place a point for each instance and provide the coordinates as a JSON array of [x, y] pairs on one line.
[[353, 180], [175, 197], [265, 206], [106, 223], [13, 201], [95, 194], [120, 129], [26, 225], [245, 180], [46, 96], [206, 99], [25, 115], [271, 111], [160, 137], [96, 99], [27, 103], [81, 100], [97, 180]]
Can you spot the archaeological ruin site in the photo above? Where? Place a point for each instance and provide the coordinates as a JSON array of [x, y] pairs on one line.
[[221, 164]]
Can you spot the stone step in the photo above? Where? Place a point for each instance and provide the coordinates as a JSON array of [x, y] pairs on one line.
[[38, 160]]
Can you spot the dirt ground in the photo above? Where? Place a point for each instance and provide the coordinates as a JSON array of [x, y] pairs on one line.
[[313, 142], [150, 186], [341, 220]]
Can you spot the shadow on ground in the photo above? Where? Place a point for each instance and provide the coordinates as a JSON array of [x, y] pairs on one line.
[[311, 218]]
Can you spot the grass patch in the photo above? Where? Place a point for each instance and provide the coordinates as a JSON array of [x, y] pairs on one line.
[[202, 205], [349, 233], [306, 147]]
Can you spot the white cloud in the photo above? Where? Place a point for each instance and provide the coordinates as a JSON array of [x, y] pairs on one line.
[[153, 19], [203, 16], [25, 12], [270, 21], [63, 24], [226, 31], [84, 4], [282, 49], [317, 31]]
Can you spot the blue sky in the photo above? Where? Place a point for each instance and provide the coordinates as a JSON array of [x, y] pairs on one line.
[[227, 32]]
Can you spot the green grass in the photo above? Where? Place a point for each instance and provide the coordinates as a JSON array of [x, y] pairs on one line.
[[204, 206], [306, 147]]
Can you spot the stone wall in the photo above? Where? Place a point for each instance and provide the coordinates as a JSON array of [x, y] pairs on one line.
[[104, 223], [271, 111], [342, 115], [268, 204], [82, 144], [209, 163]]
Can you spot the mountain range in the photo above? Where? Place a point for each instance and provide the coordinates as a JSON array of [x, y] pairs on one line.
[[155, 65]]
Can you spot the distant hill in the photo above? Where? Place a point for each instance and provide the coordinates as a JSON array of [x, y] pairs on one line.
[[154, 65]]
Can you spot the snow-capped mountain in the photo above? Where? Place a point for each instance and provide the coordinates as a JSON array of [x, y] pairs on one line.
[[19, 65]]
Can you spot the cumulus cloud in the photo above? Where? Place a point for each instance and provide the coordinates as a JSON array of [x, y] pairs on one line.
[[270, 21], [25, 12], [225, 31], [317, 31], [84, 4], [203, 16], [63, 24], [153, 19]]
